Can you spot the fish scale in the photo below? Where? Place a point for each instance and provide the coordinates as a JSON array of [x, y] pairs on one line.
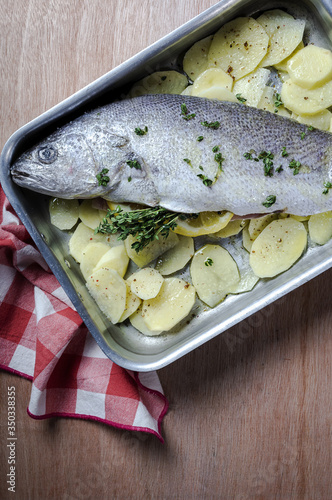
[[105, 138]]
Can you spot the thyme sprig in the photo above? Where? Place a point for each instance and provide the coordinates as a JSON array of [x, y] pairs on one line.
[[146, 224]]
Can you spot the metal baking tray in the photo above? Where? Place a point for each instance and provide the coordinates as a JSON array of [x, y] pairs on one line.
[[123, 344]]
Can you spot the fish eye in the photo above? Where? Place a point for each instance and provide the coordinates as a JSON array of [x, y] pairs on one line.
[[47, 154]]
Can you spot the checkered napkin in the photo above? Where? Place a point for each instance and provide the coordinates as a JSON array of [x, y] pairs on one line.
[[43, 338]]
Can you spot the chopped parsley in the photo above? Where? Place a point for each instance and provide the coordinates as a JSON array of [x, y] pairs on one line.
[[327, 186], [102, 178], [215, 149], [270, 200], [284, 152], [219, 159], [295, 165], [208, 262], [200, 138], [239, 98], [267, 158], [248, 156], [213, 125], [279, 169], [278, 102], [303, 134], [134, 164], [206, 181], [185, 113], [139, 131]]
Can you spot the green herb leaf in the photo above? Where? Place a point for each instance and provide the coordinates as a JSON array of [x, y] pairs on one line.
[[239, 98], [200, 138], [284, 152], [208, 262], [184, 112], [328, 186], [206, 181], [270, 200], [139, 131], [213, 125], [134, 164], [295, 165], [102, 178], [278, 102]]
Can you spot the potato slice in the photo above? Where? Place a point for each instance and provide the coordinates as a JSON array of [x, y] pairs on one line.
[[267, 101], [300, 218], [233, 228], [132, 304], [303, 101], [256, 226], [160, 82], [187, 90], [137, 320], [89, 215], [310, 67], [282, 65], [247, 241], [146, 283], [217, 92], [177, 257], [238, 47], [63, 213], [214, 274], [278, 246], [251, 87], [195, 60], [152, 250], [320, 227], [173, 303], [212, 77], [115, 258], [109, 291], [285, 34], [247, 282], [83, 235], [91, 255], [320, 120]]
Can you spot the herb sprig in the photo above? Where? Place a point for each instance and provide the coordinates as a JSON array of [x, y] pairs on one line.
[[146, 225]]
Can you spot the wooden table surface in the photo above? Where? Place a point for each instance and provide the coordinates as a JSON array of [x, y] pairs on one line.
[[251, 412]]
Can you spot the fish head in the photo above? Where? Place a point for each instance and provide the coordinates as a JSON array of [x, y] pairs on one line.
[[67, 163]]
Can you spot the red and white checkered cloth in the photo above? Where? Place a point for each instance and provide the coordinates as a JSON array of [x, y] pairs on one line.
[[43, 338]]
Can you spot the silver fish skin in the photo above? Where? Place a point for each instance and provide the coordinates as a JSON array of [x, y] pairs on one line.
[[171, 167]]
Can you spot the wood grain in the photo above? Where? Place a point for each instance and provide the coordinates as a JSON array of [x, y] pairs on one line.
[[250, 412]]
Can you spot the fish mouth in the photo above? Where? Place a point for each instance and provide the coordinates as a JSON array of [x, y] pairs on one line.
[[26, 179]]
